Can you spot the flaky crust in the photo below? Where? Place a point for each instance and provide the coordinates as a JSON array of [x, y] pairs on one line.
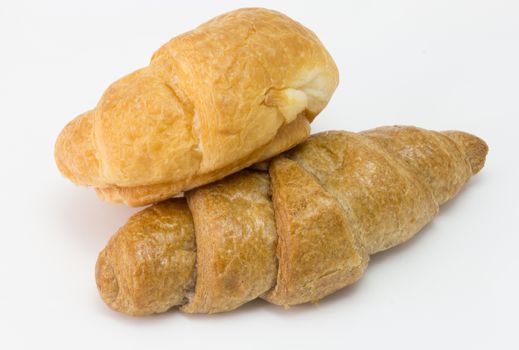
[[311, 226], [155, 248], [236, 237], [332, 201], [236, 90]]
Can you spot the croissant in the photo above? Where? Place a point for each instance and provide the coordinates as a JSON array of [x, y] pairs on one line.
[[293, 235], [238, 89]]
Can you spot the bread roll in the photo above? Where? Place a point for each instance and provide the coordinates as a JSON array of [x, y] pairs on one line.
[[238, 89]]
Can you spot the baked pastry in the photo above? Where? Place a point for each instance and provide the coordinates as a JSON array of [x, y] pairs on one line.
[[293, 235], [238, 89]]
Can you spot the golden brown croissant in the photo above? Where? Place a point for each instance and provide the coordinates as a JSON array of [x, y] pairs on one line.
[[238, 89], [294, 235]]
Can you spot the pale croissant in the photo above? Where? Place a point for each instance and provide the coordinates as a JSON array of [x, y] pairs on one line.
[[294, 235], [238, 89]]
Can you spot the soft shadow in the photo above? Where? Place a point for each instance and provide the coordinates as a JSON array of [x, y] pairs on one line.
[[174, 313], [86, 219], [253, 307], [138, 321]]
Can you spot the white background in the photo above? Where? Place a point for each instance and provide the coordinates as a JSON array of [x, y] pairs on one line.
[[435, 64]]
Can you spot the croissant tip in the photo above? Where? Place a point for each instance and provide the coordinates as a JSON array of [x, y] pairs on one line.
[[475, 148]]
